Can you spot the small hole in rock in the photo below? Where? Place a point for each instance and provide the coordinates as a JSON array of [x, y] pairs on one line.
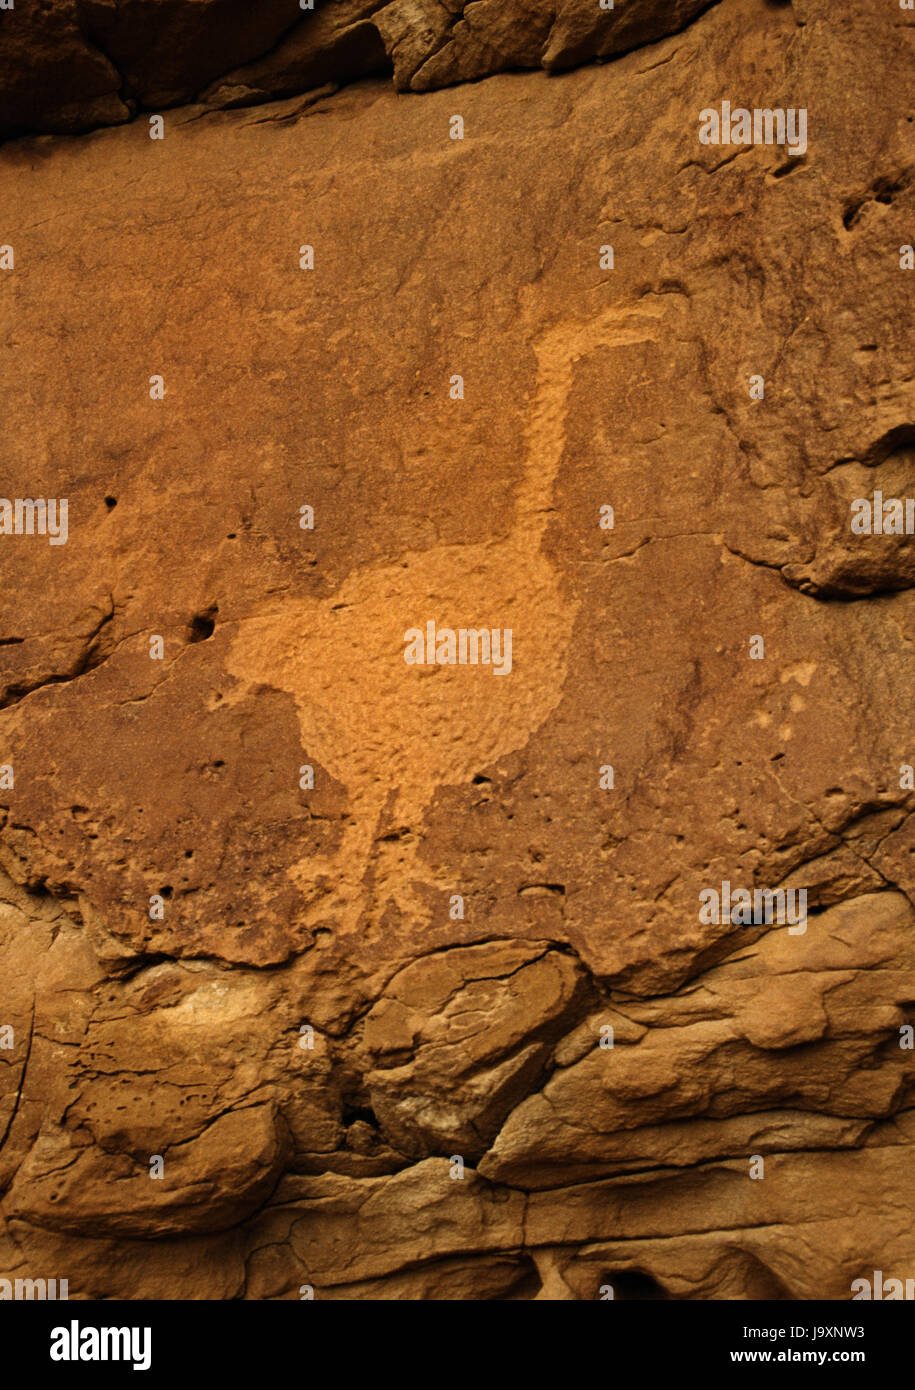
[[352, 1113], [202, 625]]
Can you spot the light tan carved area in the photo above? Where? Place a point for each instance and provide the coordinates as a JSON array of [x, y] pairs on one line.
[[379, 724]]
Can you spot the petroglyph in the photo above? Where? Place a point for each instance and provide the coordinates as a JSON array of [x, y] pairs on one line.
[[392, 733]]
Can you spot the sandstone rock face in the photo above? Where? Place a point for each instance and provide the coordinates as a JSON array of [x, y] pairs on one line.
[[77, 64], [310, 957]]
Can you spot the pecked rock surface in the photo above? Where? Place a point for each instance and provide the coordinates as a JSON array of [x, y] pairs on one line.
[[258, 1034]]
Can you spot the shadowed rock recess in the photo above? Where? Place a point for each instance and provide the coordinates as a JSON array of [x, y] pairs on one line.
[[310, 957]]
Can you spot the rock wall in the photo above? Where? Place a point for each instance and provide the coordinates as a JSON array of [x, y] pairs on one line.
[[77, 64], [311, 956]]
